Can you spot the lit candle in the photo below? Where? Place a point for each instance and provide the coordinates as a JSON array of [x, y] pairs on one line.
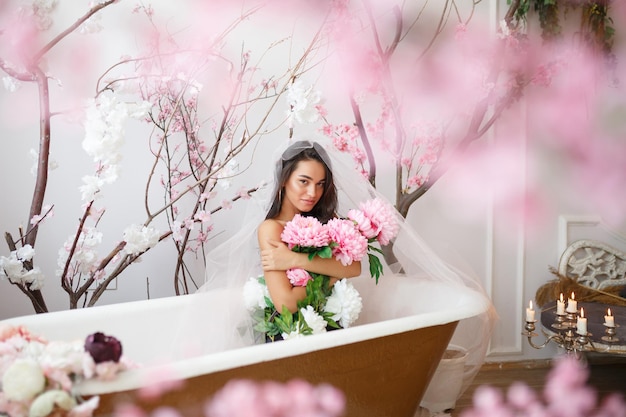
[[572, 305], [530, 313], [609, 320], [560, 305], [581, 323]]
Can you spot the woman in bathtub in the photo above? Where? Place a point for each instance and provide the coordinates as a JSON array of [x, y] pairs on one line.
[[322, 184], [305, 186]]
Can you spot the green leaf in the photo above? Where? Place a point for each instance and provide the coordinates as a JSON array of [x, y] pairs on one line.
[[376, 268]]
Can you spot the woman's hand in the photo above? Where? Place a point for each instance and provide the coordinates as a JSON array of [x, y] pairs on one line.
[[278, 257]]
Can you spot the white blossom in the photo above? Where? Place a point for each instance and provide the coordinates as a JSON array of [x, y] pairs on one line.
[[302, 104], [344, 303], [104, 135], [314, 320], [25, 253], [91, 187], [34, 154], [13, 268], [34, 278], [11, 84], [227, 172], [23, 380], [85, 256], [254, 294], [140, 238], [91, 25]]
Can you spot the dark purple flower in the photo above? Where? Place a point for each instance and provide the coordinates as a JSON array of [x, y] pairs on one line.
[[103, 348]]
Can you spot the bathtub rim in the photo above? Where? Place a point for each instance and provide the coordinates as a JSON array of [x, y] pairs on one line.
[[221, 361]]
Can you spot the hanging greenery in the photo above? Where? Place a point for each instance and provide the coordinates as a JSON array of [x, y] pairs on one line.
[[595, 28]]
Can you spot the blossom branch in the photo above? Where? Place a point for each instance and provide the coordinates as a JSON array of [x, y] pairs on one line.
[[95, 9]]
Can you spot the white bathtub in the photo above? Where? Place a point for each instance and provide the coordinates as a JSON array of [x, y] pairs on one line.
[[383, 364]]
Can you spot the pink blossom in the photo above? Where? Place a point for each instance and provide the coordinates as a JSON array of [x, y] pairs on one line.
[[305, 231], [298, 277], [243, 193], [243, 398], [203, 216], [159, 382], [129, 410], [351, 245]]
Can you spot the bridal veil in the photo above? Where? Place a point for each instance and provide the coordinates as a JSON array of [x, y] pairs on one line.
[[217, 318]]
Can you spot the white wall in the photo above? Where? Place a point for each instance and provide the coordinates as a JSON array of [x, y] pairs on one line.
[[491, 237]]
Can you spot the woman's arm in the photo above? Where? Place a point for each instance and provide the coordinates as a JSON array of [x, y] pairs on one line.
[[281, 291], [277, 256]]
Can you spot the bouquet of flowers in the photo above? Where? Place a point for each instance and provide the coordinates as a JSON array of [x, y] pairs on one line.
[[324, 307], [37, 376]]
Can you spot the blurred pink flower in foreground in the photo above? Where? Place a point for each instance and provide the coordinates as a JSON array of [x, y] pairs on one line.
[[242, 398], [564, 394]]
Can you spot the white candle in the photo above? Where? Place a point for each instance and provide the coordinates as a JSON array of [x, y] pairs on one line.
[[609, 320], [581, 323], [530, 313], [560, 305], [572, 305]]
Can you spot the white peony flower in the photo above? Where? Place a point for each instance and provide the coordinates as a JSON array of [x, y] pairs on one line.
[[140, 238], [314, 320], [45, 403], [292, 335], [23, 380], [344, 303], [254, 294]]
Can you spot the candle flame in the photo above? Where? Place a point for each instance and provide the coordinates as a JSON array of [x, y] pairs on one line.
[[573, 295], [530, 304], [561, 297], [582, 313], [608, 312]]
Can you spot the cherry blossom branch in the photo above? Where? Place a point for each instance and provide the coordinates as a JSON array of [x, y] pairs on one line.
[[95, 9]]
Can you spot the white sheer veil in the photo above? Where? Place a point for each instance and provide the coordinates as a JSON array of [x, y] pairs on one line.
[[219, 303]]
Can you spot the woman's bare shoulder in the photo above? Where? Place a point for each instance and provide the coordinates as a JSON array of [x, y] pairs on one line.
[[270, 227]]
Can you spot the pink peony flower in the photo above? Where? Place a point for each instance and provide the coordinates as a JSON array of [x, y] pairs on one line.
[[382, 219], [305, 231], [298, 277], [364, 224], [351, 245]]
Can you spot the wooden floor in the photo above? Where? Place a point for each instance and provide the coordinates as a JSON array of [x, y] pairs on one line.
[[607, 375]]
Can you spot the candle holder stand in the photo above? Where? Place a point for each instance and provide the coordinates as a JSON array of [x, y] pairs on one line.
[[567, 337]]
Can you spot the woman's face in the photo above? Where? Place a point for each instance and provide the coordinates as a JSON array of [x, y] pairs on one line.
[[304, 187]]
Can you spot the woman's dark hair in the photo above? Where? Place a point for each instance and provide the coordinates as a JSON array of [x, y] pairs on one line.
[[326, 207]]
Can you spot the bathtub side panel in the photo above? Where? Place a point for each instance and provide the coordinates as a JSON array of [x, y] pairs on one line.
[[385, 376]]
